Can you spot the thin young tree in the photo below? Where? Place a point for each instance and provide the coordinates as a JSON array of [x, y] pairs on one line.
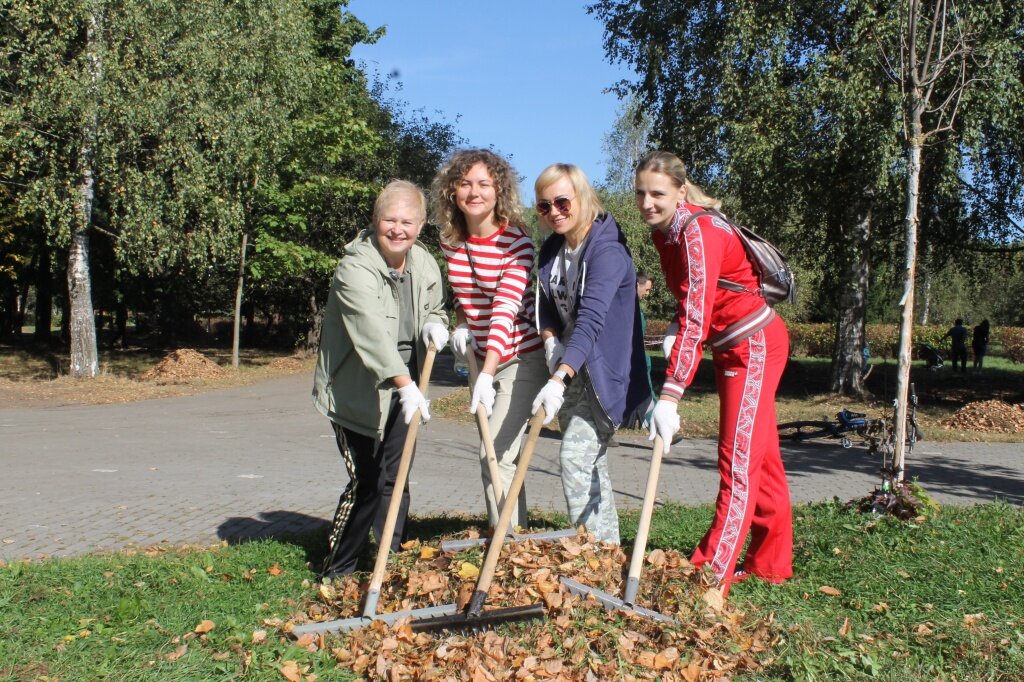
[[934, 66]]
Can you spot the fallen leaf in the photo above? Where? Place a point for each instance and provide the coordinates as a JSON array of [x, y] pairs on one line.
[[829, 590], [221, 656], [274, 570], [290, 671], [468, 571], [177, 653], [427, 552], [845, 629], [666, 659], [923, 630], [305, 640], [971, 619], [259, 636], [204, 627], [713, 598], [328, 592]]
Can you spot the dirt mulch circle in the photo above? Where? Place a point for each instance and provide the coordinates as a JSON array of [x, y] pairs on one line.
[[184, 364], [990, 416]]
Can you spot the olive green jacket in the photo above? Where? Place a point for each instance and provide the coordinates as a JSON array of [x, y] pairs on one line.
[[358, 353]]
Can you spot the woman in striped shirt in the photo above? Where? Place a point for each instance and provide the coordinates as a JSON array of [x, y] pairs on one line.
[[490, 256]]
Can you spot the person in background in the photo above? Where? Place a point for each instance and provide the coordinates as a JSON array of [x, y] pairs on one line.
[[979, 343], [957, 336], [749, 345], [384, 308], [639, 418], [490, 255], [589, 317]]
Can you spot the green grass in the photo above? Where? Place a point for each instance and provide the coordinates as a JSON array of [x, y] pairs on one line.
[[938, 599]]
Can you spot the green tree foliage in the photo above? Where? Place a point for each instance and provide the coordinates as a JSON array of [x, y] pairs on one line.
[[786, 112]]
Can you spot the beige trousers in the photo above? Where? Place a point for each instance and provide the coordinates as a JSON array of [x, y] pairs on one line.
[[516, 385]]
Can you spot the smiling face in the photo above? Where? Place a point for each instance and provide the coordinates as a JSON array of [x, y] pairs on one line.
[[567, 222], [398, 226], [657, 196], [476, 195]]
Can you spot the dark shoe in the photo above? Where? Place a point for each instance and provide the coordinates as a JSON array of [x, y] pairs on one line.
[[676, 438], [612, 443]]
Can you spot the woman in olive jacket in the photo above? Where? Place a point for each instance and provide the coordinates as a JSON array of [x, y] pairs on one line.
[[385, 306]]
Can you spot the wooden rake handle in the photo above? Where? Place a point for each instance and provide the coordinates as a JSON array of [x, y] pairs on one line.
[[636, 561], [404, 464], [497, 489], [483, 583]]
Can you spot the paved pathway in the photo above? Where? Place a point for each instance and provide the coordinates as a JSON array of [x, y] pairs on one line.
[[258, 460]]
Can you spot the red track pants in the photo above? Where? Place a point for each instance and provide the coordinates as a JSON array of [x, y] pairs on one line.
[[752, 495]]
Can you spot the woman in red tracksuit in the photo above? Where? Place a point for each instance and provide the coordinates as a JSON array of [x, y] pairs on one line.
[[749, 345]]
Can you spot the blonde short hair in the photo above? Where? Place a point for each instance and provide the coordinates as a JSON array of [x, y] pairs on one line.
[[391, 192], [587, 199]]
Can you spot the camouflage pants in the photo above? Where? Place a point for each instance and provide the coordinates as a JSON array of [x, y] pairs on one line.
[[584, 460]]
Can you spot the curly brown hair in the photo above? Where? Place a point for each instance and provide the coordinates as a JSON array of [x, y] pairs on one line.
[[445, 212]]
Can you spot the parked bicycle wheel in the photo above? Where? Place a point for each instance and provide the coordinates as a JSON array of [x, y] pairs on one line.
[[805, 430]]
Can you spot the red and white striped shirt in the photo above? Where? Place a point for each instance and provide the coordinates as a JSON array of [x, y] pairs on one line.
[[491, 282]]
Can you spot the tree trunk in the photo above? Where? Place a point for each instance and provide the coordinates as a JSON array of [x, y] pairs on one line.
[[238, 302], [44, 292], [926, 291], [848, 357], [316, 317], [907, 302], [84, 360]]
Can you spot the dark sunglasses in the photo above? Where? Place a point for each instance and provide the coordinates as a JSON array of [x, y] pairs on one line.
[[561, 203]]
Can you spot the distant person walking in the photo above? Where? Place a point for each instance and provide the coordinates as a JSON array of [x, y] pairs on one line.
[[957, 336], [979, 343], [383, 310], [490, 255]]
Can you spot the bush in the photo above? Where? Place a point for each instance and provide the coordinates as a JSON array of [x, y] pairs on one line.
[[1012, 341]]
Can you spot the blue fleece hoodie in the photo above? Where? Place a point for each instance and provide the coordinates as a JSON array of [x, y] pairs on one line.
[[607, 339]]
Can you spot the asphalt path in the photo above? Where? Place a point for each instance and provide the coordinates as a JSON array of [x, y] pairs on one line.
[[259, 461]]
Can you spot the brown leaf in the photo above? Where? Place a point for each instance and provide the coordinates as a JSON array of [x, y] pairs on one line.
[[971, 619], [290, 671], [259, 636], [656, 557], [923, 630], [713, 598], [305, 640], [829, 590], [221, 655], [845, 629], [204, 627], [666, 658], [691, 673], [177, 653]]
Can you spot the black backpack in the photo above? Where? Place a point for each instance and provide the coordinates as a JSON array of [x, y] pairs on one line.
[[775, 276]]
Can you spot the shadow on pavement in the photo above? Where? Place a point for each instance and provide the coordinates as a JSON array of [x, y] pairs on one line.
[[308, 532]]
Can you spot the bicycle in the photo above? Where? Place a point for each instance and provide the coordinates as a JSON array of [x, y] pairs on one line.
[[845, 424], [877, 433]]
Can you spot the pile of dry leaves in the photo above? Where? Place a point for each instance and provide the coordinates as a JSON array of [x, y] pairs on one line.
[[183, 365], [578, 641], [990, 416]]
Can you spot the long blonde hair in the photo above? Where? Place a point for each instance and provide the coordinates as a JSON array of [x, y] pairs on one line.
[[445, 212], [587, 199], [670, 165]]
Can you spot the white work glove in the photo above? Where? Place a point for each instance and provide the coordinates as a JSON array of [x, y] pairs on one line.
[[551, 397], [462, 340], [670, 338], [483, 393], [411, 400], [436, 333], [665, 421], [553, 352]]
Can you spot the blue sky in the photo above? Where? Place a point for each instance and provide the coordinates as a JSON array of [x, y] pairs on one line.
[[525, 77]]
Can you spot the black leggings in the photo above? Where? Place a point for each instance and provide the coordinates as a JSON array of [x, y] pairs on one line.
[[372, 469]]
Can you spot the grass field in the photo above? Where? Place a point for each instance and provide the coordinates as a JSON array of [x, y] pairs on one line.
[[940, 598]]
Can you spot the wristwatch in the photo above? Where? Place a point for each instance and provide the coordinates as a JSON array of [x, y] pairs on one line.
[[563, 376]]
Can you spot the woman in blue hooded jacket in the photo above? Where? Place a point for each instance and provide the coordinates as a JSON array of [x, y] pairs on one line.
[[589, 317]]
